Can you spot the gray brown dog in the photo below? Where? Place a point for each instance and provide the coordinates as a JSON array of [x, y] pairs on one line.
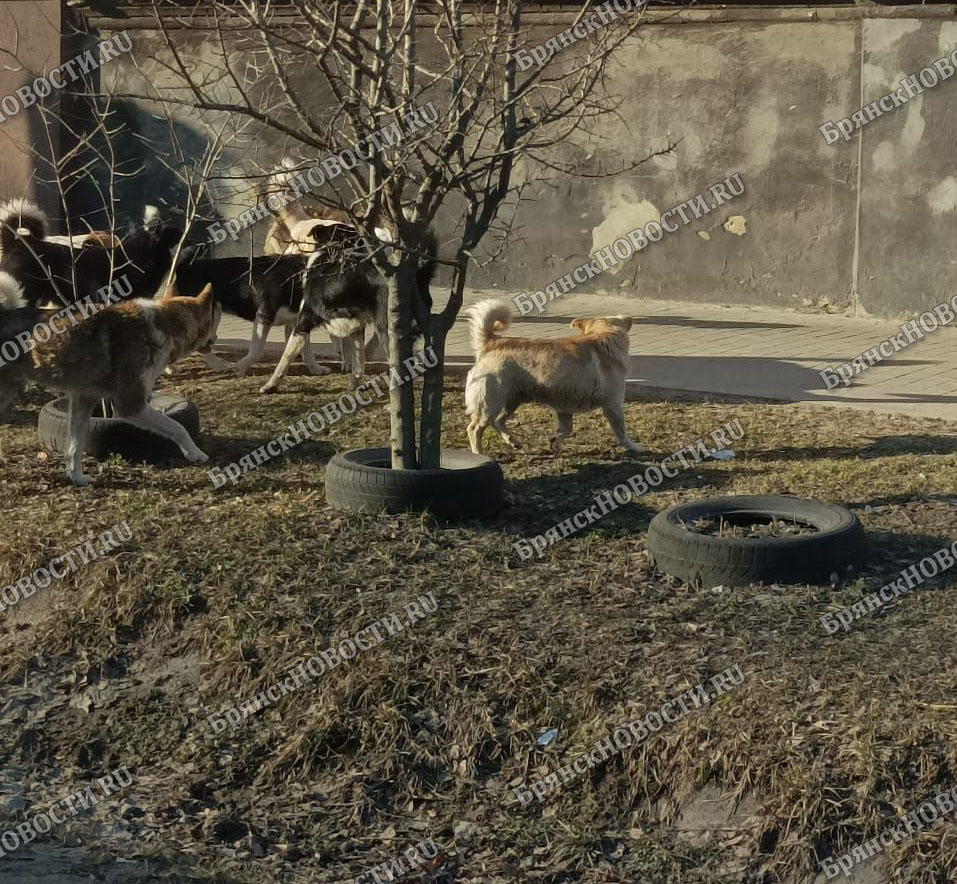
[[117, 353]]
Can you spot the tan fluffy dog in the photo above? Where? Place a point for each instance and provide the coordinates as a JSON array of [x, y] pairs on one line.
[[574, 374]]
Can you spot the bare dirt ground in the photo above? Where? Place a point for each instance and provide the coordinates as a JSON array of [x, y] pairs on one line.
[[221, 591]]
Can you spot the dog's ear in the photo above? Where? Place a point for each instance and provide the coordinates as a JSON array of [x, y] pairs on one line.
[[623, 322], [579, 324], [206, 298]]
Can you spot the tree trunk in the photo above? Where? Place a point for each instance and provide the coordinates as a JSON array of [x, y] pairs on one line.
[[402, 394], [430, 427]]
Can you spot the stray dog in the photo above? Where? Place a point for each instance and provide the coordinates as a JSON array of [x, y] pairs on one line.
[[301, 230], [114, 354], [574, 374], [51, 272], [344, 292], [265, 290], [293, 231]]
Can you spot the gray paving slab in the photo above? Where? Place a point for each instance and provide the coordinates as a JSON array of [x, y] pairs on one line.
[[731, 350]]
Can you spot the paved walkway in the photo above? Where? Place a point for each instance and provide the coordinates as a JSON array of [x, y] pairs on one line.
[[741, 351]]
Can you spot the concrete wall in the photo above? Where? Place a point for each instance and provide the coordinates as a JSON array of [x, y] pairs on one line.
[[908, 228], [30, 44], [866, 224]]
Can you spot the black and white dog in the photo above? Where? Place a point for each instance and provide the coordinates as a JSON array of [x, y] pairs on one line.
[[343, 293], [53, 272], [265, 290]]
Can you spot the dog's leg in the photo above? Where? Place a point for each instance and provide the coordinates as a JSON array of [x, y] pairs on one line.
[[476, 430], [357, 342], [11, 388], [79, 413], [615, 415], [308, 356], [376, 346], [257, 346], [499, 423], [293, 349], [149, 418], [561, 431], [339, 347]]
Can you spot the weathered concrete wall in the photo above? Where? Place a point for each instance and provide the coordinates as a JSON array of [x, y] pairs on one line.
[[736, 97], [908, 229], [30, 44], [867, 223]]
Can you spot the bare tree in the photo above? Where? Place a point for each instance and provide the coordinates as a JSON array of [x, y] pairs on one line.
[[433, 103]]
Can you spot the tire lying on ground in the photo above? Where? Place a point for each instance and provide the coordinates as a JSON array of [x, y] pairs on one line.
[[109, 435], [707, 560], [468, 486]]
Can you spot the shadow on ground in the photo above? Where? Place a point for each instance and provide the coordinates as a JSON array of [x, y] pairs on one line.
[[761, 376], [577, 489], [54, 864]]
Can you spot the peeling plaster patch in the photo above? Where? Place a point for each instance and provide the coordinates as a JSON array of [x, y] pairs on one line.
[[736, 225], [883, 157], [625, 216], [704, 235], [881, 34], [943, 197]]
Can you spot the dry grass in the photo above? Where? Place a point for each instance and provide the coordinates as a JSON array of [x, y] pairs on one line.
[[221, 591]]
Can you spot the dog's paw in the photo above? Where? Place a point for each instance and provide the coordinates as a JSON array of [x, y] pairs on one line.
[[241, 370], [197, 457], [78, 479], [269, 388], [319, 370]]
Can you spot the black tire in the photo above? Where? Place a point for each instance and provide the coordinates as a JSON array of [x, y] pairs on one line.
[[705, 560], [113, 436], [469, 486]]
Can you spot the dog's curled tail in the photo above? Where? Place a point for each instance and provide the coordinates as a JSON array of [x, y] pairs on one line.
[[16, 214], [11, 293], [485, 319]]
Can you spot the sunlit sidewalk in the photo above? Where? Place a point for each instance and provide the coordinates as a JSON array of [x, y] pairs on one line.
[[740, 351]]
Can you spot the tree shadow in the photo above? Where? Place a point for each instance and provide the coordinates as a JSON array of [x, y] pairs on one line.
[[885, 446], [224, 450], [541, 502]]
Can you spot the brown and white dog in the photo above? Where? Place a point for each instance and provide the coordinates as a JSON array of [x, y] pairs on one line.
[[115, 354], [574, 374]]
